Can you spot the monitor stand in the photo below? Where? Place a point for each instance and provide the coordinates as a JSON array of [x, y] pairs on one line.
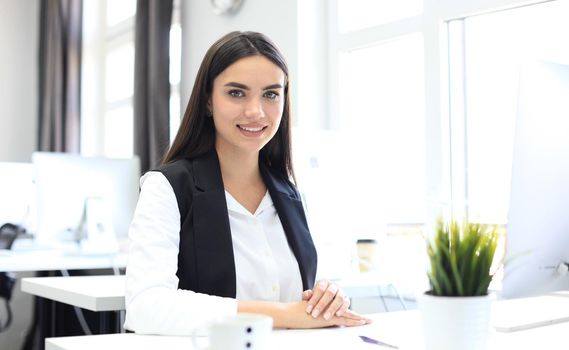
[[94, 234]]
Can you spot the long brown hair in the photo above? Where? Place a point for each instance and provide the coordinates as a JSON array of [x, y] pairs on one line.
[[196, 134]]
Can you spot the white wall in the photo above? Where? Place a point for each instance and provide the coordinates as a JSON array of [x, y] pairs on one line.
[[201, 28], [18, 79], [18, 110]]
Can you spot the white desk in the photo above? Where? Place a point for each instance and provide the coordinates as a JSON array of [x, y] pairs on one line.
[[402, 329], [29, 257], [95, 293], [106, 293], [367, 284], [52, 260]]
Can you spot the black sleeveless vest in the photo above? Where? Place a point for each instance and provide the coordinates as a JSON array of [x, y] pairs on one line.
[[205, 260]]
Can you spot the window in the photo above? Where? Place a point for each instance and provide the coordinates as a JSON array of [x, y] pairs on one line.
[[360, 14], [366, 176], [108, 77], [119, 90], [432, 88], [381, 102], [175, 69], [378, 110], [420, 108], [486, 52]]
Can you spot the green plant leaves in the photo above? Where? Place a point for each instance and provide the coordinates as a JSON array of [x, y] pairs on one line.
[[460, 258]]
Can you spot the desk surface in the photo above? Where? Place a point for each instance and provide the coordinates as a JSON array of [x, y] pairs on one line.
[[95, 293], [52, 260], [402, 329]]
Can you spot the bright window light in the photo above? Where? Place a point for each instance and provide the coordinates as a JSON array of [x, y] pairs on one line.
[[359, 14], [382, 114], [175, 53], [119, 132], [494, 47], [119, 83], [119, 11]]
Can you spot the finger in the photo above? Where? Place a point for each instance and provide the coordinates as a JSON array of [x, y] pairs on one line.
[[349, 314], [345, 306], [349, 322], [317, 292], [325, 300], [334, 306], [307, 294], [352, 314]]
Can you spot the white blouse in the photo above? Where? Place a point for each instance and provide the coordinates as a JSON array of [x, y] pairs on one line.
[[266, 268], [262, 254]]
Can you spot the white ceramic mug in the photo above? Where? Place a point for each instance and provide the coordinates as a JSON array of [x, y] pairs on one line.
[[240, 332]]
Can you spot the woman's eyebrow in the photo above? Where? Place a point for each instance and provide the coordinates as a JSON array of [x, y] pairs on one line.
[[238, 85], [245, 87], [273, 86]]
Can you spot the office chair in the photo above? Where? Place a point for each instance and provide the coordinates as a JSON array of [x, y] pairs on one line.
[[8, 233]]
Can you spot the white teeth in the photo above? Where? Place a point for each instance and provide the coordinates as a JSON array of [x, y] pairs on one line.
[[251, 129]]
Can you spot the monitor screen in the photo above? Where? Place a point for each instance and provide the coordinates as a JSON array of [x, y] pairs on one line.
[[16, 194], [537, 248], [84, 198]]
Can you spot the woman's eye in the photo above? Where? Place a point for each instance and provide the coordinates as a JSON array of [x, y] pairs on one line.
[[271, 95], [236, 93]]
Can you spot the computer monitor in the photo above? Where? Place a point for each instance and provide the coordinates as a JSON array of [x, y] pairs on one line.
[[16, 194], [537, 248], [87, 200]]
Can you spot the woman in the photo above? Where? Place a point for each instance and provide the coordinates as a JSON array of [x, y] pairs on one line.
[[219, 227]]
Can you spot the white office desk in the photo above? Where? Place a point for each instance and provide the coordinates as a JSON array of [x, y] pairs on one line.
[[105, 293], [30, 258], [52, 260], [402, 329], [95, 293], [365, 284]]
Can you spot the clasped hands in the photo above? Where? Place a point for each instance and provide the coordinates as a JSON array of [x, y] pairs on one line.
[[327, 301]]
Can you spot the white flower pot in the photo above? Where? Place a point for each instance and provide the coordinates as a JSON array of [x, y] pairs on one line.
[[455, 323]]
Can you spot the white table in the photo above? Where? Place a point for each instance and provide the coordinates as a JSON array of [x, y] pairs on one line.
[[402, 329], [106, 293], [95, 293], [103, 293], [52, 260], [366, 284], [105, 296]]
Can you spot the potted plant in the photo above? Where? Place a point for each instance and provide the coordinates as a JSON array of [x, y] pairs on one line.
[[456, 309]]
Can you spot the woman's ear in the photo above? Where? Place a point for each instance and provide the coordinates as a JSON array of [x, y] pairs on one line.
[[209, 108]]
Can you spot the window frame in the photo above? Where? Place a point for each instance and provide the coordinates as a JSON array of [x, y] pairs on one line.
[[99, 41], [445, 148]]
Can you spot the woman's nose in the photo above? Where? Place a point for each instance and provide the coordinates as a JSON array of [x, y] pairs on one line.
[[254, 108]]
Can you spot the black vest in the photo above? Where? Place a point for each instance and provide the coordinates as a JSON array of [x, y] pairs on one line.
[[205, 261]]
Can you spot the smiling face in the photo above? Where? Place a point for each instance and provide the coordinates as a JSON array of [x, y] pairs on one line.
[[247, 102]]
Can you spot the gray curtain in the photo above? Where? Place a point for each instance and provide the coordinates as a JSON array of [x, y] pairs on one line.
[[151, 81], [60, 76]]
